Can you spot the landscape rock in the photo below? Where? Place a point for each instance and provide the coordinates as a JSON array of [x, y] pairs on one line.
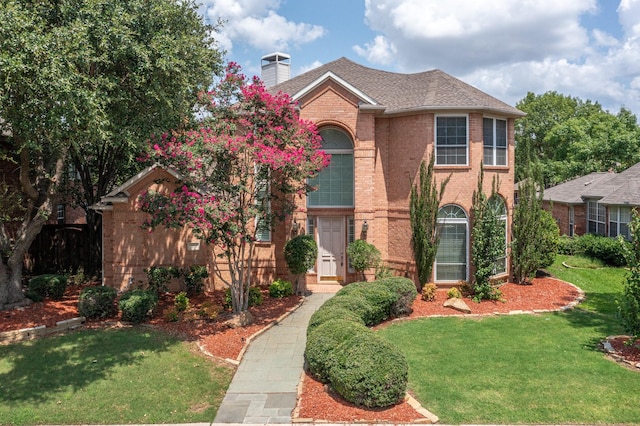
[[242, 319], [457, 304]]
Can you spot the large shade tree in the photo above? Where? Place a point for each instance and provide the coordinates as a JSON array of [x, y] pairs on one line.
[[240, 173], [84, 83]]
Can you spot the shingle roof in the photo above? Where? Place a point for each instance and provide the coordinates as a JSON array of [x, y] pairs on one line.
[[397, 92], [609, 188]]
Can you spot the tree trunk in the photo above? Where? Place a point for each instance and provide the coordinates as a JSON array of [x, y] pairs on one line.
[[94, 234]]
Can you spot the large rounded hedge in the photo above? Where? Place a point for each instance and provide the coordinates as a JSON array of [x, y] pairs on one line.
[[376, 293], [406, 291], [369, 313], [368, 371], [322, 342], [327, 313]]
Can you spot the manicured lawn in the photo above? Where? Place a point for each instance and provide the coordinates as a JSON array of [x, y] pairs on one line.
[[108, 377], [524, 368]]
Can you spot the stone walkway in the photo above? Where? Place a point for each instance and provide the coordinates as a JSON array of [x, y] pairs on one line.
[[265, 386]]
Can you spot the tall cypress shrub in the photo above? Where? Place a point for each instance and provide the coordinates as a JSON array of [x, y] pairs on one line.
[[424, 202]]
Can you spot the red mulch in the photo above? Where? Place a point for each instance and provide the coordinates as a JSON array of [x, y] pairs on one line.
[[317, 402]]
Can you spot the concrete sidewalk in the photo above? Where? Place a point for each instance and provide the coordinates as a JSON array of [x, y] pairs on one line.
[[264, 388]]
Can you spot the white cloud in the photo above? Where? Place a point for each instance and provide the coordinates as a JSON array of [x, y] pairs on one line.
[[309, 67], [508, 48], [257, 24], [629, 16], [381, 51]]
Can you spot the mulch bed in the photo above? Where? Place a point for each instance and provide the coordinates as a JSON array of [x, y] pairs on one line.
[[316, 400]]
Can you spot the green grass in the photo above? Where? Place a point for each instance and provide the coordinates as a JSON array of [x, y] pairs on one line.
[[108, 377], [601, 286], [543, 369]]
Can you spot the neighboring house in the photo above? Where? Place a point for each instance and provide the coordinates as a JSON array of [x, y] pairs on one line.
[[378, 126], [598, 203]]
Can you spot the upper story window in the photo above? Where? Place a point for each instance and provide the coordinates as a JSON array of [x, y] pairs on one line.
[[451, 140], [495, 142], [60, 213], [335, 183]]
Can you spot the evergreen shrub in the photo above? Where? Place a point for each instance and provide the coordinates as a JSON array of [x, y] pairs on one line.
[[327, 313], [280, 288], [138, 305], [406, 291], [97, 302], [324, 339], [369, 371], [47, 285]]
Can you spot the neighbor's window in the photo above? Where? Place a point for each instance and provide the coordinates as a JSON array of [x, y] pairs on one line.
[[451, 259], [596, 218], [495, 142], [619, 218], [451, 140], [335, 183]]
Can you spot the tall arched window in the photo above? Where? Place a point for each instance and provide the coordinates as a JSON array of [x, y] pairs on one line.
[[451, 259], [497, 204], [334, 183]]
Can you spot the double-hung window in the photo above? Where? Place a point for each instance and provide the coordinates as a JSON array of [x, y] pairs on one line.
[[495, 142], [451, 140], [619, 218], [596, 218]]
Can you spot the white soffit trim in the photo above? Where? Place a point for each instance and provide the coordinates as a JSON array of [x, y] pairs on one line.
[[329, 75]]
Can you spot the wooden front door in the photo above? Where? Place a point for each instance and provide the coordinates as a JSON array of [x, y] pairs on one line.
[[331, 248]]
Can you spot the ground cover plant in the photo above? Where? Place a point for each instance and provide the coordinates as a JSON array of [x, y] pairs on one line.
[[527, 368], [109, 376]]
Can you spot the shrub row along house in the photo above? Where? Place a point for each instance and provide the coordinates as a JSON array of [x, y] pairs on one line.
[[599, 203], [378, 127]]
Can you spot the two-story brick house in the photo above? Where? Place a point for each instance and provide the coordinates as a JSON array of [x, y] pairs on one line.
[[378, 126]]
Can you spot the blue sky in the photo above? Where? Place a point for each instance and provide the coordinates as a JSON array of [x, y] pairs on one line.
[[584, 48]]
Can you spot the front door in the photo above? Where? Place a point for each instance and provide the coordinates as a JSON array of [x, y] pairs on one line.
[[331, 248]]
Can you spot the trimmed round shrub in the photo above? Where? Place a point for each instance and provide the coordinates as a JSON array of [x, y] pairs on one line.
[[97, 302], [280, 288], [367, 311], [406, 291], [327, 313], [324, 339], [47, 285], [138, 305], [379, 295], [369, 371]]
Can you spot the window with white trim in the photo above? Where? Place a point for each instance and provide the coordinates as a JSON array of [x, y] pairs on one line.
[[619, 218], [495, 142], [451, 140], [311, 230], [335, 183], [572, 220], [596, 218], [451, 259], [351, 237], [60, 213]]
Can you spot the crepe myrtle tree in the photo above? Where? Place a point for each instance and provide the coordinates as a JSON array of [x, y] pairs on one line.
[[241, 170]]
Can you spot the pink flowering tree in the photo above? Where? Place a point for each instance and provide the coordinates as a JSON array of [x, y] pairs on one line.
[[240, 173]]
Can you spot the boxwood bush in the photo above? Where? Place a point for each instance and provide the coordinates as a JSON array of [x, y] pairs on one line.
[[608, 250], [97, 302], [47, 285], [375, 293], [369, 371], [406, 291], [280, 288], [138, 305], [327, 313], [367, 311], [322, 342]]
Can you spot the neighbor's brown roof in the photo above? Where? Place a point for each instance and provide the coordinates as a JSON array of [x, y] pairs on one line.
[[608, 188], [430, 90]]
